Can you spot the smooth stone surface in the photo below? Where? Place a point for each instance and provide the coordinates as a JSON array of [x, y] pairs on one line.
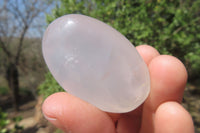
[[96, 63]]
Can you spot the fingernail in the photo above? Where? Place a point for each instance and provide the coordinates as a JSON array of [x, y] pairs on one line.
[[55, 122], [49, 118]]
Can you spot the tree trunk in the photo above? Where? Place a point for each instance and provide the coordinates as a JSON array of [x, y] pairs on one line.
[[13, 83]]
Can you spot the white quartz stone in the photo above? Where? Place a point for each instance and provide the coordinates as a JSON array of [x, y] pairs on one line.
[[96, 63]]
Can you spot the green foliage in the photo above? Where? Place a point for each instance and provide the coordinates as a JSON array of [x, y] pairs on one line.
[[4, 121], [49, 86], [172, 27], [17, 128], [3, 90]]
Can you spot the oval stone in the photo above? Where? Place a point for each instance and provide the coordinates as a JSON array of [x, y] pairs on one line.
[[93, 61]]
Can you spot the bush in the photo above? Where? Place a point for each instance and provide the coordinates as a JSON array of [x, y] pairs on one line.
[[3, 90], [172, 27], [4, 121], [49, 86]]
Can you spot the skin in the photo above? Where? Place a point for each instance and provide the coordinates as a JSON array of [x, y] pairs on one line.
[[160, 113]]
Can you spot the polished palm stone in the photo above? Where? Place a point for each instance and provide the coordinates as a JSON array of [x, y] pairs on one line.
[[96, 63]]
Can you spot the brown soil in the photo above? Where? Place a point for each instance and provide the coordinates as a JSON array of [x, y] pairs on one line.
[[32, 118]]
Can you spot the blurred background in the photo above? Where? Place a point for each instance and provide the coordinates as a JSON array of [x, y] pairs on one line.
[[171, 26]]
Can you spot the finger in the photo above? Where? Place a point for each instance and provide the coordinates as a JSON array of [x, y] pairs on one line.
[[168, 78], [74, 115], [130, 122], [171, 117], [147, 52]]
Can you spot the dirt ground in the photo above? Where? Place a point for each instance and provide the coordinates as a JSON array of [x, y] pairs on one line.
[[191, 102], [32, 118]]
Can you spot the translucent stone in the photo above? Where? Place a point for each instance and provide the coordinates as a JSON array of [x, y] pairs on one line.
[[96, 63]]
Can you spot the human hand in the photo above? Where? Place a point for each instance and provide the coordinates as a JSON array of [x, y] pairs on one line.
[[160, 113]]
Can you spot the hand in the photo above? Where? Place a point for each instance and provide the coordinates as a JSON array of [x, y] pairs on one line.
[[160, 113]]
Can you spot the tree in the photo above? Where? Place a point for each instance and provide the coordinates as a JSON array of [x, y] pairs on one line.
[[17, 19]]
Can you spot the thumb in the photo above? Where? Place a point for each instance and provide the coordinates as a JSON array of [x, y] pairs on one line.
[[74, 115]]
